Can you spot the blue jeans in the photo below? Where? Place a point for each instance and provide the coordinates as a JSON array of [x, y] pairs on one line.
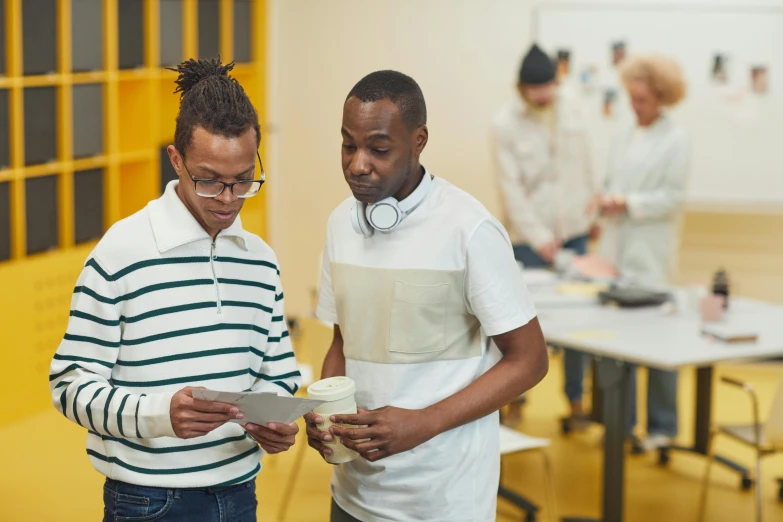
[[574, 363], [531, 259], [661, 402], [128, 503]]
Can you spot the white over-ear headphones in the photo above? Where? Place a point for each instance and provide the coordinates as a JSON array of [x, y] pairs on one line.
[[387, 214]]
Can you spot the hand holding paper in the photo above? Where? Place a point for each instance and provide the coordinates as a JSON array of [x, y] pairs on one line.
[[193, 417], [276, 438], [261, 408]]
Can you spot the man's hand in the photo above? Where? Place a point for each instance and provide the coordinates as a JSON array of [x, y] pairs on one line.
[[595, 232], [549, 251], [194, 418], [594, 205], [317, 437], [613, 205], [275, 438], [388, 431]]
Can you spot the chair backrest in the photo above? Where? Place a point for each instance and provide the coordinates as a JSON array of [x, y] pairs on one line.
[[774, 424], [512, 441]]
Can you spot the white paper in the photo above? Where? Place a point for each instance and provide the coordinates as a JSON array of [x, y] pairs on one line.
[[261, 408]]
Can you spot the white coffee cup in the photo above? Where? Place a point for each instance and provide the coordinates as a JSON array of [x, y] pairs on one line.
[[688, 300], [338, 394]]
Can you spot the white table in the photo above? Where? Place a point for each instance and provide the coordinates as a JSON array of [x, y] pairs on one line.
[[652, 338]]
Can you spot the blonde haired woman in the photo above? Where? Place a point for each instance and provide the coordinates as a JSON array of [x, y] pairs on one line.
[[645, 188]]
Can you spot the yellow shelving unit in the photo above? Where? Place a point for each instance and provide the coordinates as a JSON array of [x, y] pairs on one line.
[[139, 109]]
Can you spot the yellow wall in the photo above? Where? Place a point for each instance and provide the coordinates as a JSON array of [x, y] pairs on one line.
[[749, 246], [139, 113]]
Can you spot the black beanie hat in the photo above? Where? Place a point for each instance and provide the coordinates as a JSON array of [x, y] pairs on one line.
[[537, 68]]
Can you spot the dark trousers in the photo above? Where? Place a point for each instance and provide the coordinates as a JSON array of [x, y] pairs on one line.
[[339, 515]]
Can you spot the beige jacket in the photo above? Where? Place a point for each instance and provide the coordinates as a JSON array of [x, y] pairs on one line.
[[544, 171]]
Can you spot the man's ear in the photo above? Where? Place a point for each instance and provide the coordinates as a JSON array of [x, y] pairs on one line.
[[175, 158], [420, 137]]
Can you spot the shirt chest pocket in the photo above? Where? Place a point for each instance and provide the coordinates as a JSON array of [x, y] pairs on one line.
[[533, 157], [418, 318]]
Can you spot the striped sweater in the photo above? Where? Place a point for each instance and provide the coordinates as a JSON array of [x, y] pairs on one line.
[[160, 306]]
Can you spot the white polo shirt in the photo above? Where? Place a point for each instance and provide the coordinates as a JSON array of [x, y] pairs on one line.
[[415, 308]]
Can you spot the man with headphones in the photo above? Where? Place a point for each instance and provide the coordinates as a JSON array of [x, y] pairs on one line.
[[432, 321]]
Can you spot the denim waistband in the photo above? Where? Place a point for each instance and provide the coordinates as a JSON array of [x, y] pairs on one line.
[[115, 484]]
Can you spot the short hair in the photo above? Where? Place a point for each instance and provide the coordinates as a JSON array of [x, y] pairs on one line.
[[401, 90], [213, 100], [662, 74]]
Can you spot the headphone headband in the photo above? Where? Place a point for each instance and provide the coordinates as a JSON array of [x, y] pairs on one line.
[[410, 203]]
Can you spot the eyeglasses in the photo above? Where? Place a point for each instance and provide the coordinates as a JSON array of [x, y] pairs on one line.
[[212, 188]]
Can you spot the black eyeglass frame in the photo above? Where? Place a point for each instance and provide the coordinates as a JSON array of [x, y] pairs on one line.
[[260, 181]]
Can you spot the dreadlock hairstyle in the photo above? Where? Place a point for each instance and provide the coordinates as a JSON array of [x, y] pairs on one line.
[[213, 100]]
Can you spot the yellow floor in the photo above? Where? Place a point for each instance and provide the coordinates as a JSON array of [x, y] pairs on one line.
[[46, 475]]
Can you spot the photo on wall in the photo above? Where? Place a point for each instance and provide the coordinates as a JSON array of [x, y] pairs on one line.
[[759, 79], [589, 77], [619, 52], [563, 63], [720, 68], [610, 97]]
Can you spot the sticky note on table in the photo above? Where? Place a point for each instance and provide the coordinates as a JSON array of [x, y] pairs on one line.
[[581, 289]]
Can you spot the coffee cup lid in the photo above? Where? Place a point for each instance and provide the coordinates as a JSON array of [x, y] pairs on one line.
[[331, 389]]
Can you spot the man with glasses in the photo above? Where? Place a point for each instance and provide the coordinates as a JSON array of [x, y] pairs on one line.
[[175, 297]]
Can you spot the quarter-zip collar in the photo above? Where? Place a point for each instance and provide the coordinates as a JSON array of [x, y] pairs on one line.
[[173, 225]]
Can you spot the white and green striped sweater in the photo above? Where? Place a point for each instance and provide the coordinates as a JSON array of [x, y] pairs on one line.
[[157, 307]]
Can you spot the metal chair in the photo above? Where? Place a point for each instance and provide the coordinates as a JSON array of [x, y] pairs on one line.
[[512, 441], [765, 438]]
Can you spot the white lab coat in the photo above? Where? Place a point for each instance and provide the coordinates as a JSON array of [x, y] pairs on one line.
[[544, 171], [650, 168]]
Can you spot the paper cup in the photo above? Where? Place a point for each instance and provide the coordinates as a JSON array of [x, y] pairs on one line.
[[338, 394]]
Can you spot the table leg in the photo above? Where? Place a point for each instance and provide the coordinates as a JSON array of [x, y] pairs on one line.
[[597, 402], [703, 413], [613, 381], [612, 378]]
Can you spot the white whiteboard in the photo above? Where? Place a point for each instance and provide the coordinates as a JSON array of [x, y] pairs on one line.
[[737, 134]]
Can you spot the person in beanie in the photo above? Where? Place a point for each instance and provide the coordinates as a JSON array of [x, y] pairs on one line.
[[546, 182]]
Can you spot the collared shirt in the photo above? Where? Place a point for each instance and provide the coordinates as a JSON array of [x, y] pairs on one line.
[[544, 171], [159, 306]]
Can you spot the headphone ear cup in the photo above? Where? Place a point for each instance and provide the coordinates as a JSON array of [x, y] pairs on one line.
[[385, 215], [359, 220]]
